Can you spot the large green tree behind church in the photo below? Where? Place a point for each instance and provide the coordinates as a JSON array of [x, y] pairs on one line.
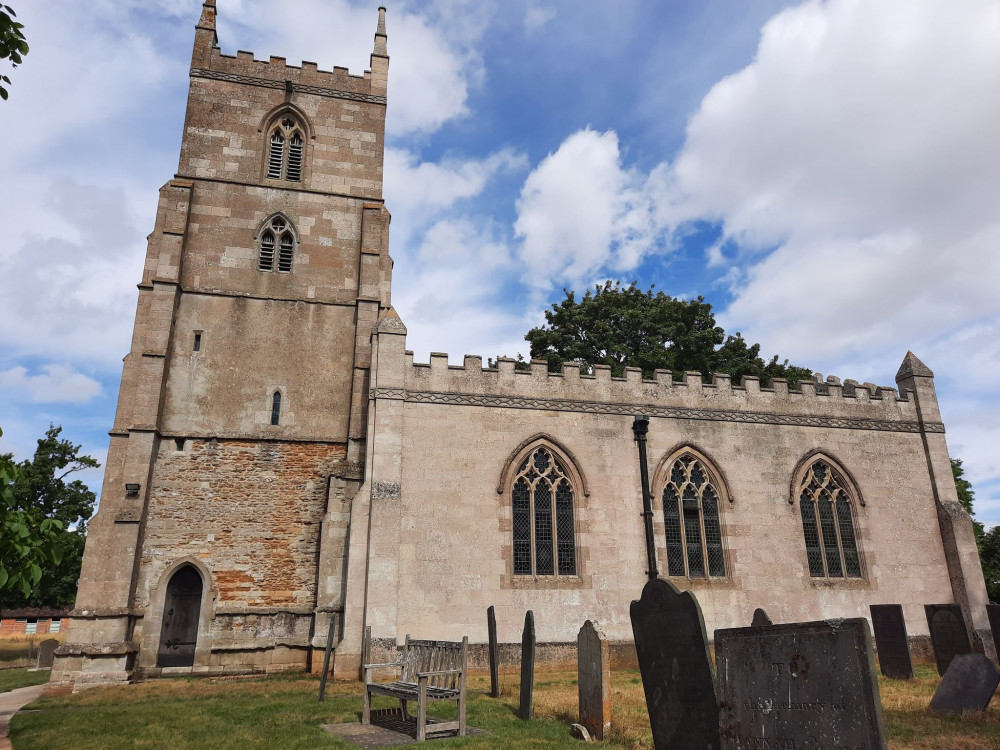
[[628, 327]]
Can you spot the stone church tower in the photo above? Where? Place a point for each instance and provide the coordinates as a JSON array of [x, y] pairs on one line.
[[241, 421]]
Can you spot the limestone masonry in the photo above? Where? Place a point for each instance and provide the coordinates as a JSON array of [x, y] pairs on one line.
[[278, 459]]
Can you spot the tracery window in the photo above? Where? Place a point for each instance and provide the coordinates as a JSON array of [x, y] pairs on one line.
[[691, 520], [542, 503], [277, 239], [284, 156], [828, 523]]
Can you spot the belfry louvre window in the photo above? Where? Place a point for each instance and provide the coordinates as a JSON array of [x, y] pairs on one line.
[[828, 523], [691, 520], [542, 503], [284, 155], [276, 237]]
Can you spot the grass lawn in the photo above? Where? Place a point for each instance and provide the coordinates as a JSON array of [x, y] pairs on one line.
[[11, 679], [282, 712]]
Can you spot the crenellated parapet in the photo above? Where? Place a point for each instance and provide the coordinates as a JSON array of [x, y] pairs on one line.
[[208, 61], [818, 402]]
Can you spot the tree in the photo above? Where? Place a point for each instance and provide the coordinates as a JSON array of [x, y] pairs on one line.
[[13, 45], [43, 488], [29, 542], [628, 327]]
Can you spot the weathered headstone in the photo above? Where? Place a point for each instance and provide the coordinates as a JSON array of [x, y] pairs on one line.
[[676, 670], [46, 653], [491, 627], [799, 685], [527, 666], [760, 619], [593, 664], [891, 642], [949, 636], [993, 612], [968, 685]]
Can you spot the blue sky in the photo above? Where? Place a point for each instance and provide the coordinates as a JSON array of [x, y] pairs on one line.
[[827, 174]]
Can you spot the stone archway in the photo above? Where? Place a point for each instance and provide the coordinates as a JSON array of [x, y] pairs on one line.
[[181, 614]]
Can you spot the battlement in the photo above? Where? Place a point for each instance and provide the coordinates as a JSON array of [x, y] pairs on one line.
[[848, 400], [209, 61]]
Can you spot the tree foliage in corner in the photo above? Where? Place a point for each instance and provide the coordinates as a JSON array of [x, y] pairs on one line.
[[13, 45], [53, 510], [628, 327], [988, 542]]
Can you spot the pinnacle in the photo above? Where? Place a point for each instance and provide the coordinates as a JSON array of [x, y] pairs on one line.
[[380, 35], [912, 367]]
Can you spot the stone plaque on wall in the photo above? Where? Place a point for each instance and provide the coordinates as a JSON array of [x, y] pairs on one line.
[[890, 641], [801, 685], [949, 636]]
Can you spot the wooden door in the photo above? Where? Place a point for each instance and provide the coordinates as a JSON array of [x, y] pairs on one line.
[[181, 611]]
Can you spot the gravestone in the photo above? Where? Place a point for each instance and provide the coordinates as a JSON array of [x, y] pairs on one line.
[[949, 636], [799, 685], [760, 619], [891, 642], [527, 666], [676, 670], [491, 627], [993, 612], [593, 664], [968, 685], [46, 653]]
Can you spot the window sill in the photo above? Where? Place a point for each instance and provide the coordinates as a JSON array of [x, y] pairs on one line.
[[838, 583], [546, 582]]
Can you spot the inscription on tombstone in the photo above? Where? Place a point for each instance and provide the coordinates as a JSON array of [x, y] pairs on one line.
[[491, 626], [760, 619], [949, 636], [809, 685], [676, 670], [46, 653], [993, 612], [593, 663], [527, 666], [890, 641], [968, 685]]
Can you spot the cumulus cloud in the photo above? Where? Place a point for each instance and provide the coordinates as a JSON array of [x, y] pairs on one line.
[[55, 384], [580, 210]]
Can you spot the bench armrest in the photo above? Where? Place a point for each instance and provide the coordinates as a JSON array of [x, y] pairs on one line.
[[386, 664]]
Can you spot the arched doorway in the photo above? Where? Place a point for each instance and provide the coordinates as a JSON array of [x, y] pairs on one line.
[[181, 612]]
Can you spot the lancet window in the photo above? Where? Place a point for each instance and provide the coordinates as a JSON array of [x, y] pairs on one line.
[[276, 408], [285, 146], [542, 499], [276, 246], [691, 519], [828, 522]]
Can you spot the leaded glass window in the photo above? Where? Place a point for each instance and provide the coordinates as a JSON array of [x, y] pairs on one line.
[[284, 156], [828, 523], [277, 239], [542, 508], [691, 520]]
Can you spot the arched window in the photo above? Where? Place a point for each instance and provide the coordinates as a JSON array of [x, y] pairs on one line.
[[828, 522], [691, 499], [277, 235], [542, 503], [276, 408], [284, 156]]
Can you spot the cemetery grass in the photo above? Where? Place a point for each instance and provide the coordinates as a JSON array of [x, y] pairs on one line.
[[282, 711], [12, 679]]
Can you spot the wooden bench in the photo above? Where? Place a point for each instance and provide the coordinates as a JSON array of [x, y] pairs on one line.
[[431, 671]]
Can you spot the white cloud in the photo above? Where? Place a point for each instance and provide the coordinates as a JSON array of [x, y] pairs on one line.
[[55, 384], [537, 16], [581, 210]]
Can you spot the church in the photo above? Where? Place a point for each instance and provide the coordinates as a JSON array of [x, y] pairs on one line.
[[280, 468]]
